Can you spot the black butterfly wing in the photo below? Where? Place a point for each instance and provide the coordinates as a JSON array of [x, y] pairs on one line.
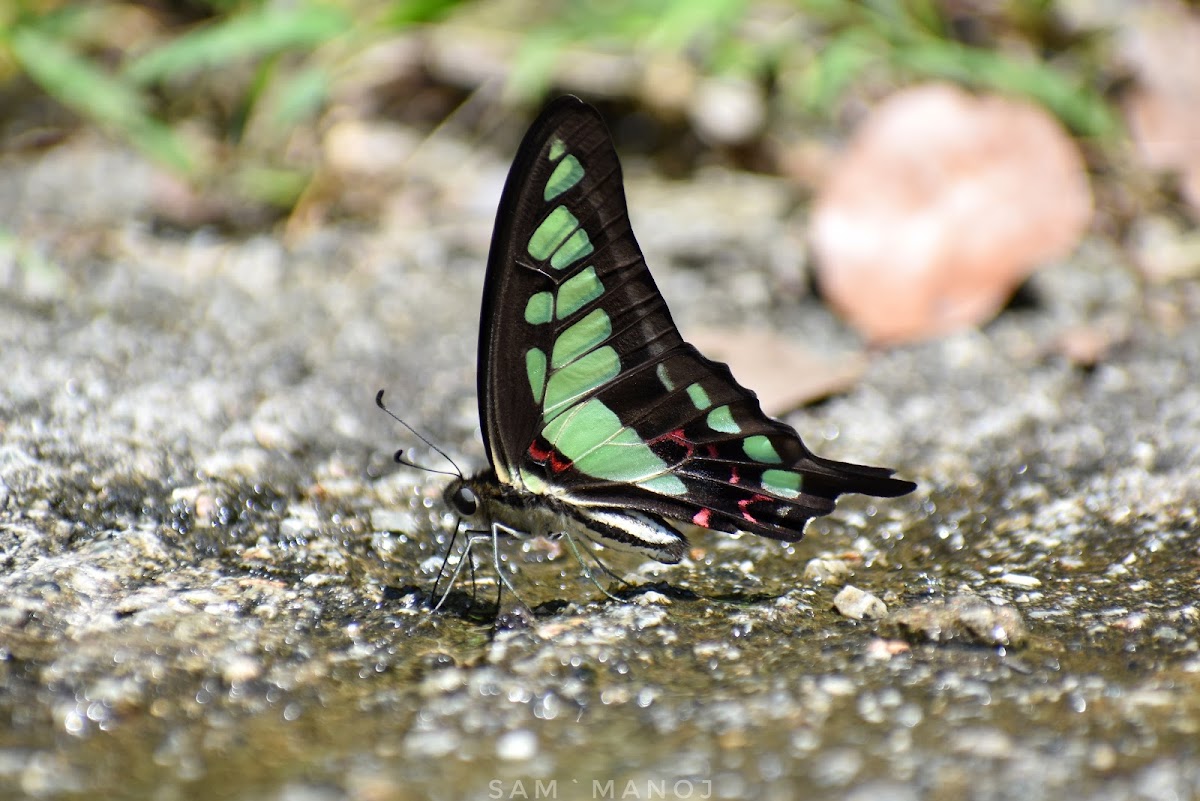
[[588, 393], [510, 414]]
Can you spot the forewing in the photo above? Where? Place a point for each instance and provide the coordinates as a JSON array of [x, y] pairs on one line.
[[563, 268]]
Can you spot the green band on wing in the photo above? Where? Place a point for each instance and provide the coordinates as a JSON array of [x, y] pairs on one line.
[[553, 231], [535, 369], [592, 437], [721, 419], [539, 309], [783, 483], [532, 481], [580, 338], [580, 376], [661, 372], [760, 449], [557, 148], [578, 291], [666, 484], [568, 173], [699, 397], [574, 249]]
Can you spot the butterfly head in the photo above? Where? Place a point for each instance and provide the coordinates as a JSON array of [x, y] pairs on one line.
[[461, 498]]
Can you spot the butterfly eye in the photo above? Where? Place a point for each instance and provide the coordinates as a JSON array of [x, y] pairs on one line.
[[464, 502]]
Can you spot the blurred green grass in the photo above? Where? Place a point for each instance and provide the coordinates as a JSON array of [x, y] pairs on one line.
[[146, 73]]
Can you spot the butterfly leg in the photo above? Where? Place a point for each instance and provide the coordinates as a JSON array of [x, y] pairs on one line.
[[587, 571], [607, 570], [474, 585], [449, 551], [497, 529], [472, 538]]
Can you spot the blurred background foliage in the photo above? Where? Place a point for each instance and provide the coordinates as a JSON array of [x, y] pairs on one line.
[[233, 93]]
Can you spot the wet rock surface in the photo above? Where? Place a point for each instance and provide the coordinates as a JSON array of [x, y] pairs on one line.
[[216, 583]]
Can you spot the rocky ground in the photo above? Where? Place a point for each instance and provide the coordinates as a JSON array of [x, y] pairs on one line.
[[215, 582]]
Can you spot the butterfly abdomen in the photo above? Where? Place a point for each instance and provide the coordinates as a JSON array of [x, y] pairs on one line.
[[521, 511]]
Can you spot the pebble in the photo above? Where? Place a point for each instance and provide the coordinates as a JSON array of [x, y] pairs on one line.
[[517, 746], [858, 604], [433, 744], [652, 598], [891, 790], [984, 742], [1020, 580], [826, 571], [882, 649], [964, 617], [728, 110], [241, 669]]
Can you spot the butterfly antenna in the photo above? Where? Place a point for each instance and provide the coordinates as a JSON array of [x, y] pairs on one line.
[[399, 456]]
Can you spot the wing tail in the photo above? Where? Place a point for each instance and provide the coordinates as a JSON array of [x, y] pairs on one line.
[[829, 478]]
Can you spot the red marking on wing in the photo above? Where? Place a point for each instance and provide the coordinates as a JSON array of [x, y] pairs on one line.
[[745, 502], [557, 464], [542, 455], [734, 478], [679, 438], [701, 518], [712, 450]]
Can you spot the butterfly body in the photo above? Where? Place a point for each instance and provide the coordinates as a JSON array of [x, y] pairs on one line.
[[598, 418], [483, 503]]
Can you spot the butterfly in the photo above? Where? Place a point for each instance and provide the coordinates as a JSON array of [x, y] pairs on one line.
[[598, 418]]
